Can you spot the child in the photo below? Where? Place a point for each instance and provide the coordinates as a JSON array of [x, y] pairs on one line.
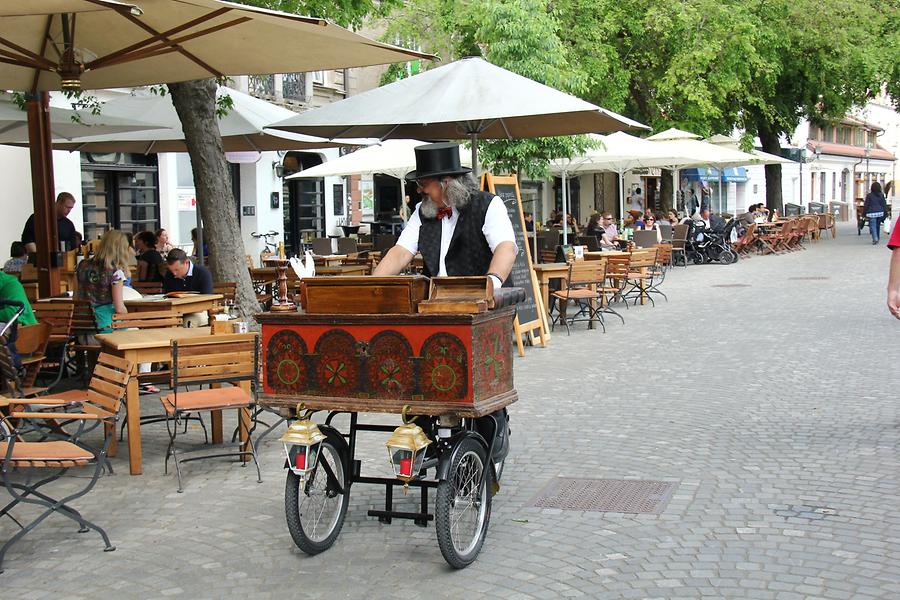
[[19, 258]]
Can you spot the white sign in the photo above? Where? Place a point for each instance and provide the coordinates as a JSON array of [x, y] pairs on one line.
[[187, 201]]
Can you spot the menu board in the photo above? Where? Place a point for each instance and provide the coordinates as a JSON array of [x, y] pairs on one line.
[[507, 188]]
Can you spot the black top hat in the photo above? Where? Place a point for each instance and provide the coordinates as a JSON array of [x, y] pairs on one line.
[[434, 160]]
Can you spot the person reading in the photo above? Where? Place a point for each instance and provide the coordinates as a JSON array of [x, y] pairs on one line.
[[185, 276]]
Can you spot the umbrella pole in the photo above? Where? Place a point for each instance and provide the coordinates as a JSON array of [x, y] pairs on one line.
[[45, 231], [622, 196], [675, 190], [474, 139], [565, 209], [199, 236], [720, 191]]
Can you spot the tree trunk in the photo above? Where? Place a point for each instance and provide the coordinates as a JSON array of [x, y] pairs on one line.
[[772, 145], [665, 190], [195, 103]]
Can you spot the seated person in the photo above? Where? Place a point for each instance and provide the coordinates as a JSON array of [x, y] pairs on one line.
[[572, 224], [529, 221], [149, 260], [610, 233], [555, 219], [11, 289], [185, 276], [595, 227], [19, 257]]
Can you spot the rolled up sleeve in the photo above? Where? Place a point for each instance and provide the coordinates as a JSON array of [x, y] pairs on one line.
[[409, 237], [497, 226]]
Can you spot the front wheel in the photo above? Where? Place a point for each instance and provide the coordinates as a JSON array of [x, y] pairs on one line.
[[462, 509], [316, 510], [728, 256]]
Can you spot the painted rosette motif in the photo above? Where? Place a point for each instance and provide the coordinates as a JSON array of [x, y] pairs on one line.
[[389, 371], [337, 367], [286, 363], [444, 371]]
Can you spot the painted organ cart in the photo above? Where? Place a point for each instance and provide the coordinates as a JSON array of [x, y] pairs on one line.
[[394, 345]]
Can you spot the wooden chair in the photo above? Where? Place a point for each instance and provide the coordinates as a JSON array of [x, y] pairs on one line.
[[99, 407], [147, 288], [59, 316], [322, 247], [773, 241], [31, 345], [347, 246], [582, 284], [641, 275], [826, 222], [213, 360], [745, 243], [617, 268], [151, 319]]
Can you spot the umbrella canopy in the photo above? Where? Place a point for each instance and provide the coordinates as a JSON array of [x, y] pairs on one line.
[[67, 123], [764, 158], [98, 44], [620, 152], [75, 44], [391, 157], [458, 100], [241, 128], [673, 133]]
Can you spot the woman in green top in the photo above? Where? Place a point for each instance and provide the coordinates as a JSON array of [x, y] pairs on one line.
[[11, 289]]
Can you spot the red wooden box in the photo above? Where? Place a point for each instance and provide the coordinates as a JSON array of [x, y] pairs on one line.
[[439, 364]]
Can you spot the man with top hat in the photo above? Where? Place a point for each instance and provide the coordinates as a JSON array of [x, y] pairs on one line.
[[458, 229]]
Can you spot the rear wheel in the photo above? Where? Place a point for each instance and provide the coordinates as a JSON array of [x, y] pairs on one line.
[[463, 505], [316, 510], [727, 256]]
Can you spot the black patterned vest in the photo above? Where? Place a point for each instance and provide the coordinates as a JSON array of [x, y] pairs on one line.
[[469, 253]]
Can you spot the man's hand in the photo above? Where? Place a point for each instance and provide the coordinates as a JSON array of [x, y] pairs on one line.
[[893, 299], [393, 262]]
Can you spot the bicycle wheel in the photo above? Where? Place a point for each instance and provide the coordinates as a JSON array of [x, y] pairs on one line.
[[462, 508], [316, 511]]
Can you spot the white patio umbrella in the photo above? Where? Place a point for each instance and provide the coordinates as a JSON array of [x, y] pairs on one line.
[[762, 158], [391, 157], [242, 128], [93, 44], [677, 142], [468, 98], [620, 153], [67, 123]]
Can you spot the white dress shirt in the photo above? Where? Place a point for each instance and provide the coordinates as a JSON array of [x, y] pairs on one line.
[[497, 229]]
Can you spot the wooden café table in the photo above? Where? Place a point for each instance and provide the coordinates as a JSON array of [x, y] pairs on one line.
[[154, 345], [548, 271], [192, 303]]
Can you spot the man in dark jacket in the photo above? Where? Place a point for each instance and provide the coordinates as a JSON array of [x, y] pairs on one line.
[[185, 276]]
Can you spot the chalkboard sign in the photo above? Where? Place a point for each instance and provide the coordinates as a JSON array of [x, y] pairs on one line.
[[530, 314]]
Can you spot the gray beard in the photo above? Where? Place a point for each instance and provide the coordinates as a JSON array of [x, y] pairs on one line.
[[457, 193]]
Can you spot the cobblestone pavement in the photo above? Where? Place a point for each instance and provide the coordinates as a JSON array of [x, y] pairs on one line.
[[773, 406]]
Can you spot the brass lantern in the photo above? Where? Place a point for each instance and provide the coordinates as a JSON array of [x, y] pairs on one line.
[[406, 449], [302, 442]]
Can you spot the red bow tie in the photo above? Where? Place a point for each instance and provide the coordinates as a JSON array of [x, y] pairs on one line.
[[444, 212]]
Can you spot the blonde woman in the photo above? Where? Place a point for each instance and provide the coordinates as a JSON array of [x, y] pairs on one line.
[[101, 278], [101, 281]]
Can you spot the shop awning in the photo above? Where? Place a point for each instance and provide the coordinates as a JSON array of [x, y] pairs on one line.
[[729, 175]]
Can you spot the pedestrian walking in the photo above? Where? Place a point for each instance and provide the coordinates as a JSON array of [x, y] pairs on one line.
[[875, 208]]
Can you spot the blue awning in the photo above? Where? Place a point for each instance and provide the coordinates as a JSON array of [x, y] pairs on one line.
[[730, 175]]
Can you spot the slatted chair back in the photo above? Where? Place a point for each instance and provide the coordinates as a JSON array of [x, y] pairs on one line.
[[228, 289], [664, 255], [643, 258], [156, 319], [31, 344], [548, 256], [617, 267], [83, 322], [147, 288], [58, 315], [108, 385], [585, 273], [215, 359]]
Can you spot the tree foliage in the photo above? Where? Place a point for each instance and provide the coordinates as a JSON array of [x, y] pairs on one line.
[[708, 66]]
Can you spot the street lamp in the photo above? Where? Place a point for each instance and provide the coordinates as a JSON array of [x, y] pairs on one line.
[[817, 154]]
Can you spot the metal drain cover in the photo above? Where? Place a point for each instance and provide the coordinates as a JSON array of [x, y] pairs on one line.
[[606, 495], [730, 285]]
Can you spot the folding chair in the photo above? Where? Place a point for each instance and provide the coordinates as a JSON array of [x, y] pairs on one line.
[[641, 275], [213, 360], [84, 328], [31, 344], [679, 244], [617, 267], [581, 287], [59, 316], [658, 270], [27, 458]]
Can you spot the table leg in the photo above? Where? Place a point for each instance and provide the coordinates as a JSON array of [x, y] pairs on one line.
[[244, 423], [545, 294], [216, 418], [133, 405]]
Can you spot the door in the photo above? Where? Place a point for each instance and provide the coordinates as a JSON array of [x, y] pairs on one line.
[[119, 194]]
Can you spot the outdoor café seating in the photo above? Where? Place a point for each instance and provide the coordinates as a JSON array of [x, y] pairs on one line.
[[21, 460]]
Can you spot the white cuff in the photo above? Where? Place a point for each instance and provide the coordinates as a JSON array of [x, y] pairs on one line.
[[497, 283]]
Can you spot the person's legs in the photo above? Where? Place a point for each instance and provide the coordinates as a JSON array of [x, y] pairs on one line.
[[873, 229]]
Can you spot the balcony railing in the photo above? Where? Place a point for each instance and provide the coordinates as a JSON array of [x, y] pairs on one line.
[[293, 86], [262, 85]]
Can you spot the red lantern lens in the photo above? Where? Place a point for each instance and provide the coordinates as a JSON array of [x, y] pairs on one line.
[[406, 467], [300, 461]]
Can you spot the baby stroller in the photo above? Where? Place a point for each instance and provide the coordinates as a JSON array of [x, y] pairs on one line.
[[710, 245]]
